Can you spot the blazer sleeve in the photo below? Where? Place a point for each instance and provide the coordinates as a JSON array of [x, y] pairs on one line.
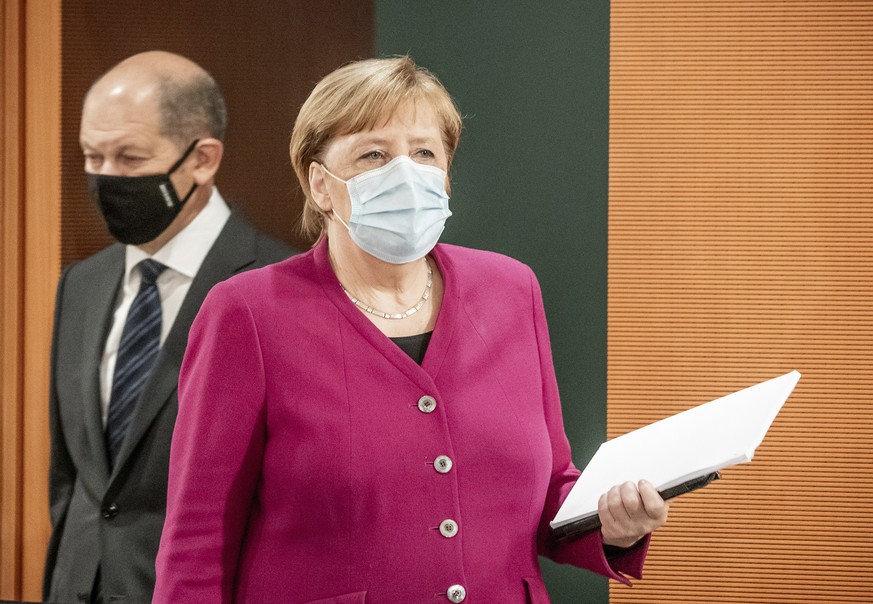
[[62, 470], [587, 551], [216, 453]]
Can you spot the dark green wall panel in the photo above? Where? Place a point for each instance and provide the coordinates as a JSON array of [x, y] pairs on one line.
[[530, 178]]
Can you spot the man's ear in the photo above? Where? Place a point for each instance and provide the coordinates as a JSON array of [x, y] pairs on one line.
[[207, 158], [318, 187]]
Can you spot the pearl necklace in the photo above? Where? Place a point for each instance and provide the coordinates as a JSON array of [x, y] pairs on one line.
[[401, 315]]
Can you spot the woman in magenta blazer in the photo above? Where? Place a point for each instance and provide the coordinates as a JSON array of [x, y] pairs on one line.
[[377, 420]]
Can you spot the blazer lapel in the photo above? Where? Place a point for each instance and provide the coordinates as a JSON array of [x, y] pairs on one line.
[[443, 329], [98, 312], [234, 250]]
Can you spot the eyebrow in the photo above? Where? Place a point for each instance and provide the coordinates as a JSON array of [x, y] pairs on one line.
[[424, 139], [366, 140], [123, 148]]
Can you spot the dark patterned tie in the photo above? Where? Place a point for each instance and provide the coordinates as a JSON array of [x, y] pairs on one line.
[[140, 342]]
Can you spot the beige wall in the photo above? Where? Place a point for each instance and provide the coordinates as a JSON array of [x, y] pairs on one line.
[[740, 248]]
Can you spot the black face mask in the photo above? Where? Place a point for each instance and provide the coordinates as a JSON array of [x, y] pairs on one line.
[[138, 208]]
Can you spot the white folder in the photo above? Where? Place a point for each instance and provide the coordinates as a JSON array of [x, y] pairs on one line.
[[679, 453]]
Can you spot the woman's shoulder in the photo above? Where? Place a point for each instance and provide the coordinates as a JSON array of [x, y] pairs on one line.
[[487, 276], [490, 286], [479, 264]]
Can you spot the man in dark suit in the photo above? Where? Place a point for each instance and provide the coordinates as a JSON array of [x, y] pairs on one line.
[[151, 133]]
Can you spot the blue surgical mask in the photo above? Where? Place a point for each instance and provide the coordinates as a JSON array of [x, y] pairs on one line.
[[399, 210]]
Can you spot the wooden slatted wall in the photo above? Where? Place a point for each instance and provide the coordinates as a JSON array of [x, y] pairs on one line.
[[741, 247]]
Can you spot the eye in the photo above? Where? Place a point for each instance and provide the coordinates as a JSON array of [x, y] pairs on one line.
[[373, 155], [93, 160], [424, 153]]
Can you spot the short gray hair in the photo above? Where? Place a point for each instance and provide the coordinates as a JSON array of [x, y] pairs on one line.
[[191, 108]]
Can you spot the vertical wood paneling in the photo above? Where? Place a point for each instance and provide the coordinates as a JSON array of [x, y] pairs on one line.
[[741, 247], [41, 207], [11, 299], [28, 272]]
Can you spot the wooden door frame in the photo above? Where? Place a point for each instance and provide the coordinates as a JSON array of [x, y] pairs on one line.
[[30, 96]]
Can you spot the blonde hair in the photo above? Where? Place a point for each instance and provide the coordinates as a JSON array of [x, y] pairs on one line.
[[358, 97]]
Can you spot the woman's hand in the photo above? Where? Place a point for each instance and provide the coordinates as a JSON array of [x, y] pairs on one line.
[[629, 511]]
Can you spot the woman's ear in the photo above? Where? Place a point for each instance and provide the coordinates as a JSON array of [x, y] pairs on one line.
[[318, 187]]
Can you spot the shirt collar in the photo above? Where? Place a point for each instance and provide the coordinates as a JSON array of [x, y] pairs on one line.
[[185, 252]]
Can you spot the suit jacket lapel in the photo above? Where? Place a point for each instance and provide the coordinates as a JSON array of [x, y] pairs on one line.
[[98, 311], [234, 250]]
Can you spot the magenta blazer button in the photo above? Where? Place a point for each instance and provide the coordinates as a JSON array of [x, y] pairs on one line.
[[443, 464], [456, 593], [448, 528], [427, 404]]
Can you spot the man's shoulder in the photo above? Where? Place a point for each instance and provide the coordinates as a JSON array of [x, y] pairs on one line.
[[239, 232], [238, 236], [290, 268], [98, 265], [272, 250]]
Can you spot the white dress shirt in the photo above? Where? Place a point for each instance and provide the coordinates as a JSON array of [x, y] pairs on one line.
[[182, 256]]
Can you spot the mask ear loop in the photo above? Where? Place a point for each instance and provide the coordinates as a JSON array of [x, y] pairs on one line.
[[185, 155], [345, 182], [175, 167], [348, 228]]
